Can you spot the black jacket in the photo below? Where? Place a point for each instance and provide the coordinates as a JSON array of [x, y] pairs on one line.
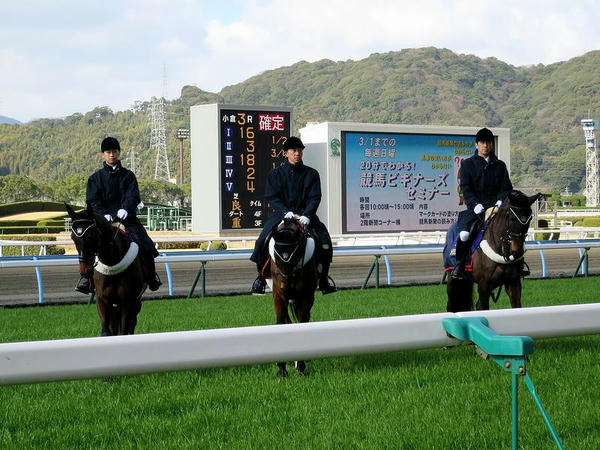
[[294, 187], [109, 190], [484, 182]]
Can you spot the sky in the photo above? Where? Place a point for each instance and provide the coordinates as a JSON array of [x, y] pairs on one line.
[[59, 57]]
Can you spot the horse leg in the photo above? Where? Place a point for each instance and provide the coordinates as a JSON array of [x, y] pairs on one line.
[[103, 313], [280, 304], [483, 302], [303, 315], [460, 295], [130, 317], [514, 294]]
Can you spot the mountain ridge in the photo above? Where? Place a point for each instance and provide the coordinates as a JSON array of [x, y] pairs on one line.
[[542, 105]]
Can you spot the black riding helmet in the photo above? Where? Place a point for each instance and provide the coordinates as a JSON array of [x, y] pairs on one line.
[[484, 135], [292, 143]]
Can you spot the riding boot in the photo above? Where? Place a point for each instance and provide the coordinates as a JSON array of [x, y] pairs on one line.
[[258, 286], [84, 286], [153, 279], [458, 273], [326, 284]]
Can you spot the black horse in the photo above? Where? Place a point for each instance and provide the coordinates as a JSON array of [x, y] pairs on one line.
[[295, 278], [118, 275], [498, 261]]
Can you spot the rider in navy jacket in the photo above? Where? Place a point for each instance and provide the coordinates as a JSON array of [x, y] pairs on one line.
[[113, 192], [485, 183], [294, 188]]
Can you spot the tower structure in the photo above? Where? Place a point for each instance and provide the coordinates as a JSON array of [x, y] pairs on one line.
[[158, 139], [130, 160], [592, 197]]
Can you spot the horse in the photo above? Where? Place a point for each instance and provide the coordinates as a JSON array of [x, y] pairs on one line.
[[294, 276], [118, 274], [498, 260]]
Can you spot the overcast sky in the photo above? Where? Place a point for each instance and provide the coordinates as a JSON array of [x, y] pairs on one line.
[[58, 57]]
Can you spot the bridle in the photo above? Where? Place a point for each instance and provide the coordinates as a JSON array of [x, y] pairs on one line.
[[291, 254], [510, 235], [82, 226]]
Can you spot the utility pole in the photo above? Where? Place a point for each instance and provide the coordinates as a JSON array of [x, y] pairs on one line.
[[182, 133], [131, 160], [158, 139], [592, 195]]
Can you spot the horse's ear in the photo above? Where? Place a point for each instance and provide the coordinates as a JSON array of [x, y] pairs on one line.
[[89, 211], [534, 198], [70, 211]]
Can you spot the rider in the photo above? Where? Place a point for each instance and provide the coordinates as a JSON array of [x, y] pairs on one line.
[[294, 189], [485, 183], [113, 193]]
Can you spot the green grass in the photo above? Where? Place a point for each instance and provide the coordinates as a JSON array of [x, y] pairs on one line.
[[432, 399]]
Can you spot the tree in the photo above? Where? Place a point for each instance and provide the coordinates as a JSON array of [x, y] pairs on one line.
[[17, 188], [70, 189]]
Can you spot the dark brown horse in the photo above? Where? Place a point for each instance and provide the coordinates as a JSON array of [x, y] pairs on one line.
[[294, 273], [498, 261], [118, 276]]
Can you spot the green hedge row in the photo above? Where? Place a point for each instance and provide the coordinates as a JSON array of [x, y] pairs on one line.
[[30, 230], [202, 245], [10, 250], [10, 209], [18, 223]]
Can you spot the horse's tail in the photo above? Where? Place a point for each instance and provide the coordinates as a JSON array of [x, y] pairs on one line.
[[460, 295]]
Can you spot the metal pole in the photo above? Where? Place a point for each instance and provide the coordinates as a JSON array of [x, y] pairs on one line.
[[38, 275], [180, 161], [515, 410]]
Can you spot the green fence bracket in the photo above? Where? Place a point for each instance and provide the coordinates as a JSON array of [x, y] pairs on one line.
[[510, 353], [375, 266], [582, 260], [201, 274]]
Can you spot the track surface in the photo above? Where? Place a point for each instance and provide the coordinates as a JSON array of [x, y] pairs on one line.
[[19, 286]]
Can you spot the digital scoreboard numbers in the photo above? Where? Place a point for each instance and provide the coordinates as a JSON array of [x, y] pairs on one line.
[[251, 145]]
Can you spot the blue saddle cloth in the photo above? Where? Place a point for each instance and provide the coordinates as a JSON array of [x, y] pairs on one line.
[[450, 247]]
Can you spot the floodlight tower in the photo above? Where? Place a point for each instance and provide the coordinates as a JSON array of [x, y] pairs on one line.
[[592, 196]]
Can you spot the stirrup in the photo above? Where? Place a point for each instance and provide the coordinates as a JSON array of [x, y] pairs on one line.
[[154, 283], [258, 287], [330, 287], [458, 273], [84, 286]]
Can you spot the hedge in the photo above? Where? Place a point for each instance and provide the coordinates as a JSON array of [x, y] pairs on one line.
[[30, 230], [18, 223], [591, 222], [10, 250], [202, 245]]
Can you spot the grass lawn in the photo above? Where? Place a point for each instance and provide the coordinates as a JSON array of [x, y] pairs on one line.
[[432, 399]]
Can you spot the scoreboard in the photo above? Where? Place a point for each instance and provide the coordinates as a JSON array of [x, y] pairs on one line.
[[251, 144]]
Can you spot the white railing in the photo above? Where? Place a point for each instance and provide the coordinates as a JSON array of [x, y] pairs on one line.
[[31, 362], [404, 238]]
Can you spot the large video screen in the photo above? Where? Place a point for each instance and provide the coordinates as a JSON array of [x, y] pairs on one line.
[[401, 182], [251, 145]]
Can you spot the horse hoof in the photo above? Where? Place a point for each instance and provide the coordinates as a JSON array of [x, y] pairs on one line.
[[300, 367]]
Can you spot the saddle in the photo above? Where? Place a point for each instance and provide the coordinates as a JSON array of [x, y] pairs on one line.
[[309, 248], [476, 232]]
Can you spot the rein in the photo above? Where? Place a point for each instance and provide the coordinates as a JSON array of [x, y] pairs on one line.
[[507, 237]]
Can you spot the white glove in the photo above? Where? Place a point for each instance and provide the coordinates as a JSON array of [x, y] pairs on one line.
[[108, 217], [122, 214], [499, 203], [304, 220], [478, 208], [289, 215]]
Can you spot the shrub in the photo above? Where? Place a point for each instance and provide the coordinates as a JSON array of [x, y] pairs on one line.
[[15, 250], [202, 245], [591, 222]]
